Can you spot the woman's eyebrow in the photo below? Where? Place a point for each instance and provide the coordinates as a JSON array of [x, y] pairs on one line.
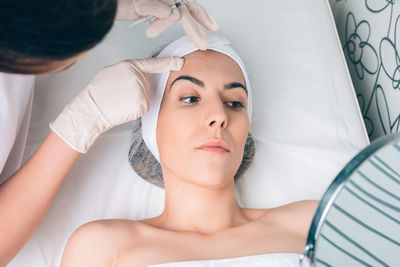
[[201, 83], [235, 85], [188, 78]]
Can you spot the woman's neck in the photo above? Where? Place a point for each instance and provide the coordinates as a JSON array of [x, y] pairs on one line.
[[194, 208]]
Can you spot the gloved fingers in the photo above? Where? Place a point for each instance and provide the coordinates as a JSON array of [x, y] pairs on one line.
[[126, 10], [192, 29], [157, 65], [158, 26], [155, 8], [200, 14]]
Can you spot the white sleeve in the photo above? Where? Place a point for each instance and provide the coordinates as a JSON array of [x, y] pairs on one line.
[[16, 96]]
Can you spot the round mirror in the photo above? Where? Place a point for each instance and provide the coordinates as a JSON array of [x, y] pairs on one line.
[[358, 220]]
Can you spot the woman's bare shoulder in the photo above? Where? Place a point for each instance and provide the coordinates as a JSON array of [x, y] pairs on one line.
[[107, 229], [296, 216], [97, 243], [303, 208]]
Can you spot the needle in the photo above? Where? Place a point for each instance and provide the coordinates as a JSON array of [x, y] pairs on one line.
[[151, 18]]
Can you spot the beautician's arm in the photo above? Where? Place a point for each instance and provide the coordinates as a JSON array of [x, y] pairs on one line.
[[117, 94], [27, 195]]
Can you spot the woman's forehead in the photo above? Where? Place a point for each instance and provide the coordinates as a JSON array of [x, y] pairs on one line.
[[209, 64], [208, 57]]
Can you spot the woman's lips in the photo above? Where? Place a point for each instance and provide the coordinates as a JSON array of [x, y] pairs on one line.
[[215, 145], [214, 149]]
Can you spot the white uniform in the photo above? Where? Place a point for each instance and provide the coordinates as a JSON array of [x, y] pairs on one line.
[[16, 95]]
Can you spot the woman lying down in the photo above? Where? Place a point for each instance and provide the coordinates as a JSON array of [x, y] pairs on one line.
[[197, 130]]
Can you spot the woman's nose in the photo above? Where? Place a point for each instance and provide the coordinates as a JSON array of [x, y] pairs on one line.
[[215, 123], [217, 116]]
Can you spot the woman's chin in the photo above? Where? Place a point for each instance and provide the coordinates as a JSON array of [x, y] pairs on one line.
[[208, 178]]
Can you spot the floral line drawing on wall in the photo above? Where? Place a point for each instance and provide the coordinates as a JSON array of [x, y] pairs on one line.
[[373, 58]]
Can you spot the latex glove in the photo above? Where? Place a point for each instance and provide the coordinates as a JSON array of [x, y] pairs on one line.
[[192, 15], [117, 94], [136, 9]]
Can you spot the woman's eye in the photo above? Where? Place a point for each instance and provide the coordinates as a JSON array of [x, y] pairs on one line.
[[190, 99], [194, 99], [235, 104]]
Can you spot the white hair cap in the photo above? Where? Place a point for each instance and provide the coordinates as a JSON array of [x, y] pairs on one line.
[[158, 82]]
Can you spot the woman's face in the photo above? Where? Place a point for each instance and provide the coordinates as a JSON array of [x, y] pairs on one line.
[[205, 101]]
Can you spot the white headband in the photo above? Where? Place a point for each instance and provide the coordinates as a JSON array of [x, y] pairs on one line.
[[158, 81]]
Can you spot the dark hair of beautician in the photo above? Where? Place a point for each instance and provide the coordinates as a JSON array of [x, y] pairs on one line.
[[38, 36]]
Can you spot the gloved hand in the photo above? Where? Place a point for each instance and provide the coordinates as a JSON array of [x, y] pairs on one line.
[[190, 14], [136, 9], [117, 94]]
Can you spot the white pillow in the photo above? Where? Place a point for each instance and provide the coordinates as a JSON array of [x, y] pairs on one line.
[[306, 120]]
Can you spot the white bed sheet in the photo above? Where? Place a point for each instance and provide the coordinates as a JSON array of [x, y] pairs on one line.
[[306, 120]]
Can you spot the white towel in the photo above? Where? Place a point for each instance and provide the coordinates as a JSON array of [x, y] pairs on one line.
[[264, 260]]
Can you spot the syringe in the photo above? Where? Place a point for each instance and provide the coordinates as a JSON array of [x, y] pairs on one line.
[[151, 18]]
